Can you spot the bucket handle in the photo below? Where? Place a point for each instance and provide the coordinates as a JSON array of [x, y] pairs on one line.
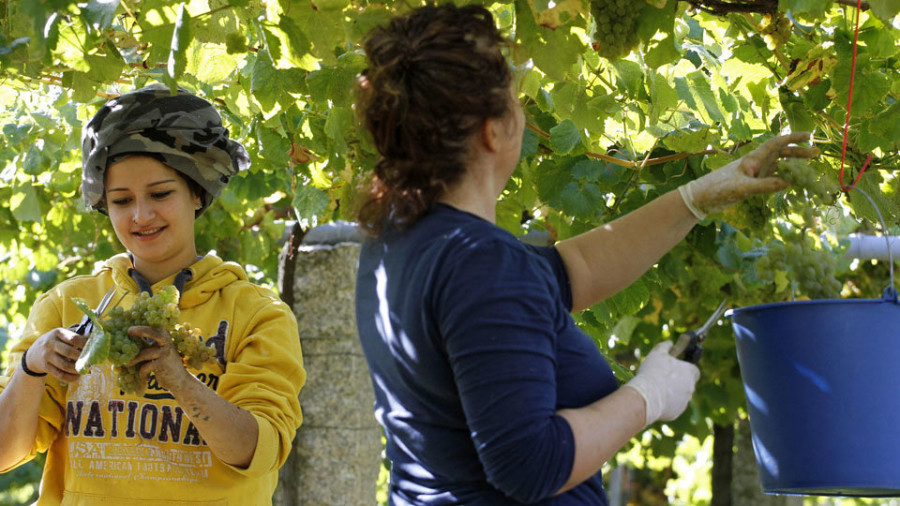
[[890, 293]]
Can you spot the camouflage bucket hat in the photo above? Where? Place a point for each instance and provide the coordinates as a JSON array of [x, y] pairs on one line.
[[183, 131]]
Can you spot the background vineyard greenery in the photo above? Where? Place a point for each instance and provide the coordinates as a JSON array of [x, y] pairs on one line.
[[603, 138]]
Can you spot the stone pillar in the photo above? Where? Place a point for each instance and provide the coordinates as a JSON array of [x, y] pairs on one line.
[[337, 452]]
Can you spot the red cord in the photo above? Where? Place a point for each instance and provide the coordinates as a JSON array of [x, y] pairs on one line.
[[849, 103]]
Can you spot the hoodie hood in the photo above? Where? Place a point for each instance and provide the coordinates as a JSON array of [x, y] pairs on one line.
[[209, 275]]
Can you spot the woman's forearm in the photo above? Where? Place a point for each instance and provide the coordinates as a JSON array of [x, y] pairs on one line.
[[230, 431], [612, 256], [20, 404], [601, 429]]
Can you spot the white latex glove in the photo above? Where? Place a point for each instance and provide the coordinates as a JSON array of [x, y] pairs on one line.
[[749, 175], [665, 382]]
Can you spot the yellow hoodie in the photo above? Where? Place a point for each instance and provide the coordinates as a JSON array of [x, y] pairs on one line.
[[108, 448]]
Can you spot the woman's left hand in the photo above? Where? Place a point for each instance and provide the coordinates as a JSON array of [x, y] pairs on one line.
[[160, 358]]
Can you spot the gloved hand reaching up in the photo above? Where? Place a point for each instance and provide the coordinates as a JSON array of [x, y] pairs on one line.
[[746, 176], [665, 382]]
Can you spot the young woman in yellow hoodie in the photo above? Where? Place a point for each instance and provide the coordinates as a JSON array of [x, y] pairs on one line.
[[153, 162]]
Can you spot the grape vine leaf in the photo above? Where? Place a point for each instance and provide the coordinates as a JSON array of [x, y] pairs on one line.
[[181, 38], [25, 204], [552, 178], [582, 200], [813, 9], [96, 350], [564, 137], [555, 14], [624, 328], [885, 9], [661, 52], [631, 299], [309, 202], [99, 14]]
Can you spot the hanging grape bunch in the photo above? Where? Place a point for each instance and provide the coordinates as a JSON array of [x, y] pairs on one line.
[[776, 29], [616, 26], [109, 340], [807, 185], [808, 261], [810, 268]]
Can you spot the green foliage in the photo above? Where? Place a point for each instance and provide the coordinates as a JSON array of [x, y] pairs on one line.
[[603, 138], [19, 487]]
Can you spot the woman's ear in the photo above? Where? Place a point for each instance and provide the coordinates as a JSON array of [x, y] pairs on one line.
[[489, 135], [197, 203]]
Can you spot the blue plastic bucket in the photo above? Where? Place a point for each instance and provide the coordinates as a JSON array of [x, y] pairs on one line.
[[822, 379]]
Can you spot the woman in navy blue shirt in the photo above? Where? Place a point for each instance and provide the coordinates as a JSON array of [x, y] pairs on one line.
[[488, 392]]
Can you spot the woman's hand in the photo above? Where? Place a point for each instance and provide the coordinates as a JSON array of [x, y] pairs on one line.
[[55, 353], [665, 382], [746, 176], [230, 431], [160, 358]]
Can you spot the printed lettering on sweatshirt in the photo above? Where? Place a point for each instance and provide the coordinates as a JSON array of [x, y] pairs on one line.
[[110, 435]]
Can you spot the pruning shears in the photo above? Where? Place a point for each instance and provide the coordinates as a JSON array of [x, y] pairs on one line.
[[689, 343], [86, 325]]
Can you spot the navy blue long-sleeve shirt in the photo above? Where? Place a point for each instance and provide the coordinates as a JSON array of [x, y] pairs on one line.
[[472, 351]]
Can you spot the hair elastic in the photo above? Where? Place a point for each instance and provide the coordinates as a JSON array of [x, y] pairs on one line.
[[29, 371]]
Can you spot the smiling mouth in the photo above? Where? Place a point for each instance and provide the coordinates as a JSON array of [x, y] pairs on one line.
[[148, 232]]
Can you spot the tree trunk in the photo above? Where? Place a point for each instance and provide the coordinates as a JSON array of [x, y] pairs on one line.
[[723, 457]]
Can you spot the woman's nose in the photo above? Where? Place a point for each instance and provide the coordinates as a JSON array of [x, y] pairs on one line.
[[143, 211]]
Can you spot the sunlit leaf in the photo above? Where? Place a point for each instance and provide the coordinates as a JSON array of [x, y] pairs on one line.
[[181, 38], [309, 202], [624, 328], [25, 204], [99, 14], [813, 9]]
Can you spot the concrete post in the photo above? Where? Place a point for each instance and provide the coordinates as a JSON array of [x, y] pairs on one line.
[[337, 452]]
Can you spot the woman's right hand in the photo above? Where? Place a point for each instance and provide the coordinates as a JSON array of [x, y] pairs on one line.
[[749, 175], [55, 353], [666, 383]]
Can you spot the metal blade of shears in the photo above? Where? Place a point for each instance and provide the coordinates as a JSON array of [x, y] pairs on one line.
[[688, 343], [701, 332], [85, 326]]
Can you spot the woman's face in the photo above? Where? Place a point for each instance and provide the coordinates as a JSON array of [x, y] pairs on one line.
[[152, 210], [515, 127]]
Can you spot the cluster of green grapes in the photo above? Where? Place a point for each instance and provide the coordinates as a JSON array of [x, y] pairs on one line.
[[189, 344], [801, 255], [616, 26], [776, 29], [159, 310], [807, 184], [757, 212], [813, 270]]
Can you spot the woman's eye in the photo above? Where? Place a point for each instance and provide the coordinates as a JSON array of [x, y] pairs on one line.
[[120, 202], [161, 195]]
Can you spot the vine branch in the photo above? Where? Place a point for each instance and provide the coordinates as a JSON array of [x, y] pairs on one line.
[[852, 3], [647, 162], [724, 7]]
